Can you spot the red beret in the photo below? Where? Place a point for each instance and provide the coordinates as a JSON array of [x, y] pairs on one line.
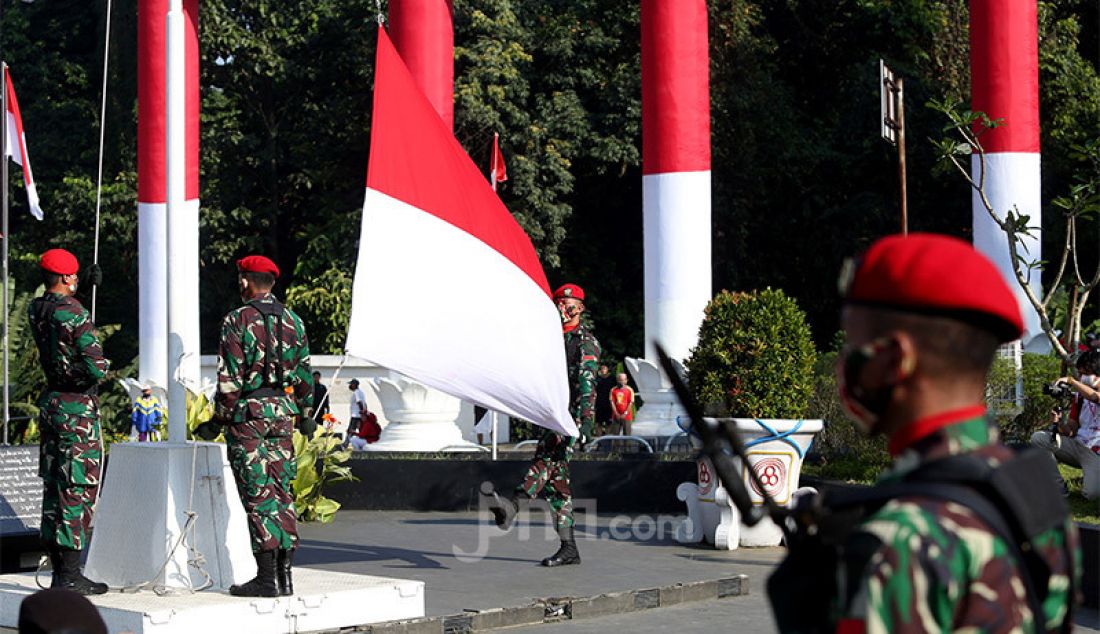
[[257, 264], [569, 290], [59, 261], [938, 275]]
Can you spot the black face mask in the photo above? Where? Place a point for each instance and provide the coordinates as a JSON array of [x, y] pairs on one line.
[[864, 406]]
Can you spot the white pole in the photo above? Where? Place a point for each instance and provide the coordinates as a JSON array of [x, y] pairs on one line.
[[494, 438], [493, 162], [177, 219], [7, 237]]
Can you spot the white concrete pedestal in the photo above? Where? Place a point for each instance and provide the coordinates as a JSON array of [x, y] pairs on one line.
[[420, 418], [143, 510], [660, 410], [775, 450], [323, 601]]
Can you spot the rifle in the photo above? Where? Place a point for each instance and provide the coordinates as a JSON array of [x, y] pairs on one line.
[[1016, 500], [721, 444]]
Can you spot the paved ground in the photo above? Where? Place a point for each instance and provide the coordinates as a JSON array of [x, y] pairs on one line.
[[468, 565], [619, 552]]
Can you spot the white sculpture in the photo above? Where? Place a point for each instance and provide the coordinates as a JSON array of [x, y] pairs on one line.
[[420, 418], [776, 449], [660, 409]]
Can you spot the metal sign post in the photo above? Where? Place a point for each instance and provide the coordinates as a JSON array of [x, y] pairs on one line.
[[892, 121]]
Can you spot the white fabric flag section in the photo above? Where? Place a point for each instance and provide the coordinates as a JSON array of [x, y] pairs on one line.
[[448, 288], [16, 139]]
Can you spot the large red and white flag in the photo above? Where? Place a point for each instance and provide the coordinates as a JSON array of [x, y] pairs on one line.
[[448, 288], [15, 146]]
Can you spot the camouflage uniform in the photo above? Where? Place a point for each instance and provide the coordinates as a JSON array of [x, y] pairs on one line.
[[71, 450], [549, 473], [938, 567], [261, 393]]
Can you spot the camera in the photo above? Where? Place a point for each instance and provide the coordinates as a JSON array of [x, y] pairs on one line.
[[1059, 391]]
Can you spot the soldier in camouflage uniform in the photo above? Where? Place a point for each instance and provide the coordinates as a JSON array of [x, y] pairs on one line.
[[549, 473], [71, 448], [924, 316], [264, 387]]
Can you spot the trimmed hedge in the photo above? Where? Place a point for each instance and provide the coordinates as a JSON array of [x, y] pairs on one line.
[[755, 357]]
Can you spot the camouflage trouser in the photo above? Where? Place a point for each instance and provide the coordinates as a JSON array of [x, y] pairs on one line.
[[549, 474], [69, 464], [261, 453]]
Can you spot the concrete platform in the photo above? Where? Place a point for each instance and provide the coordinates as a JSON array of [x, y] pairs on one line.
[[324, 600]]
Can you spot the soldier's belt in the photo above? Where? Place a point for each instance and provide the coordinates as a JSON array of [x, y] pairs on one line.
[[263, 392], [74, 389]]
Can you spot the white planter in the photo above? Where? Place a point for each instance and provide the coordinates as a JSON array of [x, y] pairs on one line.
[[658, 415], [776, 449], [420, 418]]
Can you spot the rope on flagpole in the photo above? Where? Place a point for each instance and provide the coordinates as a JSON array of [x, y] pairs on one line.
[[378, 9], [102, 129], [98, 198]]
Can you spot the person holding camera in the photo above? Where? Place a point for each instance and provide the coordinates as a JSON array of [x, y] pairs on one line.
[[1075, 436]]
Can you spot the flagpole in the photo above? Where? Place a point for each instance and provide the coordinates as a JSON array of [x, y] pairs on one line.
[[493, 161], [494, 439], [4, 231]]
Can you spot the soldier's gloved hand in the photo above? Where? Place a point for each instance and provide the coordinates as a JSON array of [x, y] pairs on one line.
[[307, 426], [93, 276], [208, 430]]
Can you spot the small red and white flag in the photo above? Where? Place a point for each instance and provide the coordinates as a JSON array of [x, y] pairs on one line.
[[16, 139], [448, 289], [498, 171]]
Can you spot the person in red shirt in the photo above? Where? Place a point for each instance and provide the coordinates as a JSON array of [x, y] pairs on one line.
[[622, 405]]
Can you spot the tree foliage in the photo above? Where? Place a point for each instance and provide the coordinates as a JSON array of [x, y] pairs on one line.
[[755, 357], [800, 177]]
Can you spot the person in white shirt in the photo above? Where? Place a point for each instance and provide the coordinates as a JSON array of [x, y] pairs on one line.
[[358, 408], [1077, 441]]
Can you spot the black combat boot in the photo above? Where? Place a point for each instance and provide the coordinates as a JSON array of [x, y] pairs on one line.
[[567, 555], [503, 508], [264, 583], [68, 575], [54, 553], [284, 560]]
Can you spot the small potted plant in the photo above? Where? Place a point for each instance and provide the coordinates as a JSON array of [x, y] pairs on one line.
[[753, 365]]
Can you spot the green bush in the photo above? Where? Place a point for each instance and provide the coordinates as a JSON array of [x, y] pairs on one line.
[[754, 358], [321, 461]]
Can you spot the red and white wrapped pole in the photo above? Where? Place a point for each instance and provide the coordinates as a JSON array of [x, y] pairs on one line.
[[676, 179], [423, 33], [168, 196], [1004, 71]]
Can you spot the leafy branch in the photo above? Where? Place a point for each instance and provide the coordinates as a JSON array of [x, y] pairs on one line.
[[962, 144]]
